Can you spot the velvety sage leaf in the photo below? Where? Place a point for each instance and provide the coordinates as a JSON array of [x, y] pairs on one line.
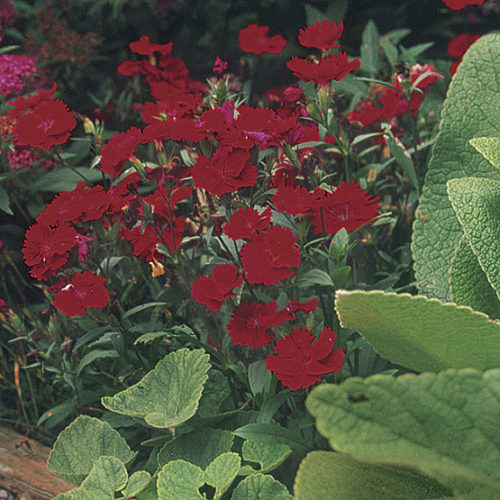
[[269, 455], [136, 483], [324, 474], [168, 395], [108, 474], [370, 55], [199, 447], [477, 206], [420, 333], [470, 110], [444, 425], [81, 444], [222, 471], [468, 283], [215, 392], [275, 433], [489, 147], [260, 487], [180, 479]]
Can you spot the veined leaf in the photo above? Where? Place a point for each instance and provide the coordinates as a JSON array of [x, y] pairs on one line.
[[180, 479], [324, 474], [489, 147], [260, 487], [470, 110], [169, 394], [445, 424]]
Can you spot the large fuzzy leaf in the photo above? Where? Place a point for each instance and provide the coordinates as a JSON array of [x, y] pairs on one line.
[[420, 333], [169, 394], [180, 479], [468, 283], [489, 147], [470, 110], [445, 424], [324, 474], [476, 203], [260, 487], [81, 444]]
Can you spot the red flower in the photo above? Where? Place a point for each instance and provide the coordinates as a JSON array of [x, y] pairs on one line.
[[213, 291], [270, 256], [293, 200], [23, 104], [457, 47], [301, 359], [179, 129], [83, 291], [118, 150], [349, 207], [145, 47], [461, 4], [333, 67], [226, 172], [255, 40], [305, 307], [46, 248], [321, 35], [48, 124], [251, 324], [245, 221]]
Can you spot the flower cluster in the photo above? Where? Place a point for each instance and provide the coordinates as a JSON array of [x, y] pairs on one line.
[[14, 69]]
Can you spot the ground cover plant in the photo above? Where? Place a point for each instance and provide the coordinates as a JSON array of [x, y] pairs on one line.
[[226, 288]]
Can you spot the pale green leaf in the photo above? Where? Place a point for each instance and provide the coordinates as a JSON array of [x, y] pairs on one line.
[[470, 110], [221, 472], [168, 395], [468, 283], [489, 147], [260, 487], [108, 474], [199, 447], [420, 333], [81, 444], [370, 56], [477, 206], [269, 455], [136, 483], [324, 474], [444, 425], [180, 479]]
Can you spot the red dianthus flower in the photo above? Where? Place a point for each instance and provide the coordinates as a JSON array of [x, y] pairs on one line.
[[245, 221], [251, 324], [255, 40], [83, 291], [270, 256], [333, 67], [145, 47], [212, 291], [50, 123], [301, 359], [349, 207], [322, 35], [461, 4], [118, 150], [293, 200], [46, 248]]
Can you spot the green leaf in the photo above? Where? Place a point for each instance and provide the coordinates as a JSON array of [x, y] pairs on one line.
[[136, 483], [274, 433], [199, 447], [324, 474], [168, 395], [260, 487], [370, 56], [391, 52], [215, 392], [94, 355], [269, 455], [5, 201], [489, 147], [420, 333], [142, 307], [63, 179], [314, 277], [180, 479], [259, 377], [470, 110], [476, 203], [444, 425], [468, 283], [221, 472], [107, 475], [81, 444]]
